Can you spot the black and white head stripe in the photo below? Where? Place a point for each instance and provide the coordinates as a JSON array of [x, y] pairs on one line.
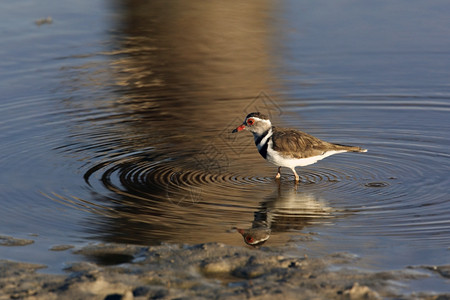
[[262, 142], [257, 115]]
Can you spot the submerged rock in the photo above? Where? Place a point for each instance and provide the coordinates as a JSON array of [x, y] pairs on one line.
[[12, 241], [61, 247]]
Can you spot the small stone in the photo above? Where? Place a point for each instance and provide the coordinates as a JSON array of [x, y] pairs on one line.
[[220, 266], [48, 20], [361, 292]]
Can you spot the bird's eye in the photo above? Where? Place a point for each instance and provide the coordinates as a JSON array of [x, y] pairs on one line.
[[249, 239], [250, 122]]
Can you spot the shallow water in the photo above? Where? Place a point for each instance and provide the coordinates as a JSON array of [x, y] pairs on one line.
[[116, 125]]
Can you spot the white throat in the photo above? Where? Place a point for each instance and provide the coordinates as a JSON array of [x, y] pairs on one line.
[[262, 126], [264, 140]]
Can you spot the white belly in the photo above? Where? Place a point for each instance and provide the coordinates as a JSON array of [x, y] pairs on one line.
[[279, 160]]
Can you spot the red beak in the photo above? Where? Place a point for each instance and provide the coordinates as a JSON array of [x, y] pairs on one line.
[[239, 128]]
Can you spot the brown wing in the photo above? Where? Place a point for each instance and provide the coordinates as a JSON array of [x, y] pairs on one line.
[[297, 144]]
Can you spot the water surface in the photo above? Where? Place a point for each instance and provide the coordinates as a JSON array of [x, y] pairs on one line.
[[116, 125]]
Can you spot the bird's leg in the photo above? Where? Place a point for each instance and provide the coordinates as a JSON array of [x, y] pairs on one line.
[[297, 178], [278, 176]]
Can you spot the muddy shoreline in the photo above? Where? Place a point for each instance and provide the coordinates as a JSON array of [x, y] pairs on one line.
[[206, 271]]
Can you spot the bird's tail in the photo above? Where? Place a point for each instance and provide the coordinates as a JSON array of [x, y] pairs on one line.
[[350, 148]]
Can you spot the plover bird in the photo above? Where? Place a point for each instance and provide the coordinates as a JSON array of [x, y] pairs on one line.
[[286, 147]]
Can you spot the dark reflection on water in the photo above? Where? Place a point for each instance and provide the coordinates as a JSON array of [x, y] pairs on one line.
[[165, 158], [285, 210], [125, 137]]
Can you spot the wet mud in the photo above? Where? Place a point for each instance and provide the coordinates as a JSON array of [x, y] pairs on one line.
[[207, 271]]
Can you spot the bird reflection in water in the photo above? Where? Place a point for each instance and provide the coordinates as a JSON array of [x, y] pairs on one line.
[[286, 209]]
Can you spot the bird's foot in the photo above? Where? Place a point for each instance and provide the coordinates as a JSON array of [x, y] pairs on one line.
[[278, 176], [297, 178]]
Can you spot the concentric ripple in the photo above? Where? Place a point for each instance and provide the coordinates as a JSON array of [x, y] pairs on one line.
[[399, 188], [145, 176], [396, 189]]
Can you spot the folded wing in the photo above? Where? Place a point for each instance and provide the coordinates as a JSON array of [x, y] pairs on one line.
[[297, 144]]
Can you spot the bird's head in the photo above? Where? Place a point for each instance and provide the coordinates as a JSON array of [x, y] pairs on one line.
[[255, 236], [256, 123]]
